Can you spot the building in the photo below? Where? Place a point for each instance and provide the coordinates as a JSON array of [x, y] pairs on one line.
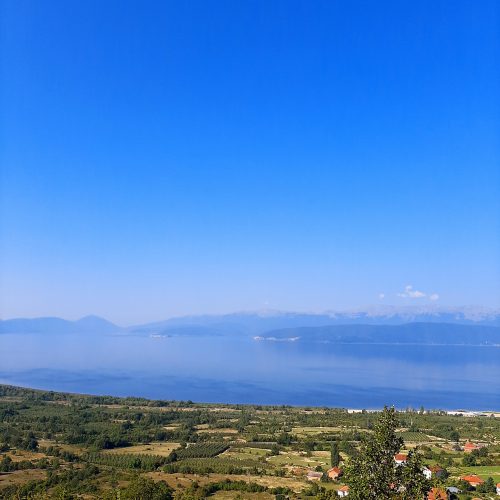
[[343, 491], [433, 471], [400, 458], [470, 447], [437, 494], [334, 473], [498, 488], [473, 480], [314, 476]]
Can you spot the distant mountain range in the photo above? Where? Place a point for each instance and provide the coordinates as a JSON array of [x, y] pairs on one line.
[[88, 324], [255, 323], [286, 324]]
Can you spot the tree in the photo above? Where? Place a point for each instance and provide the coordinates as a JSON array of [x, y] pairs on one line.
[[487, 487], [141, 488], [374, 475], [334, 454], [413, 482]]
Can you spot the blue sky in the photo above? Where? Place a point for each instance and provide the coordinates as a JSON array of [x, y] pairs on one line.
[[166, 158]]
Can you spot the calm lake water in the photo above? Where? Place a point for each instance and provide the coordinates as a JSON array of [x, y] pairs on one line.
[[242, 370]]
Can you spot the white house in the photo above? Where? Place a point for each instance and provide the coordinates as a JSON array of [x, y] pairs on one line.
[[343, 491], [433, 471]]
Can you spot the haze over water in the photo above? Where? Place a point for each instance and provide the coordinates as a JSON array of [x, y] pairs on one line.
[[243, 370]]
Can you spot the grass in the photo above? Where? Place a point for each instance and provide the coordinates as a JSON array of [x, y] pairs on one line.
[[20, 476], [293, 458], [245, 453], [21, 455], [483, 471], [162, 449], [304, 431], [296, 484], [217, 431], [242, 494]]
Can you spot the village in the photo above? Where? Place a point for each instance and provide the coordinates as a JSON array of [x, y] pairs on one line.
[[431, 472]]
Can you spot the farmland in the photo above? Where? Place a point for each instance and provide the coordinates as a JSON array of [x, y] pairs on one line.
[[58, 445]]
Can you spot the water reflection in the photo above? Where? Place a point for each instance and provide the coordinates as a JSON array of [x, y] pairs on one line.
[[241, 370]]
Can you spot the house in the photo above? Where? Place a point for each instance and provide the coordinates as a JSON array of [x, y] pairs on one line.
[[400, 458], [334, 473], [343, 491], [433, 471], [470, 447], [314, 476], [473, 480], [437, 494], [498, 488]]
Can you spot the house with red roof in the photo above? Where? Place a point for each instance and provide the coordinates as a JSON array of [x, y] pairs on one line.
[[498, 488], [334, 473], [400, 458], [437, 494], [473, 480], [469, 447], [343, 491]]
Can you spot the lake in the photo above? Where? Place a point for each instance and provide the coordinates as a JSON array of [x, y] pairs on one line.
[[243, 370]]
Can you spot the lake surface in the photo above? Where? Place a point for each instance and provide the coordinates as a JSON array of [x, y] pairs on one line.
[[242, 370]]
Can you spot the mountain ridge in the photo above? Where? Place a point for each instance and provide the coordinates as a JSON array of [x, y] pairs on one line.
[[257, 323]]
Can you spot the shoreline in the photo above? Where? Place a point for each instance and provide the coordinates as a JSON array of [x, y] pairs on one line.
[[466, 413]]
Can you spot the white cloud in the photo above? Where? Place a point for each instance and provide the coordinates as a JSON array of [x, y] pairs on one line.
[[381, 296], [410, 293]]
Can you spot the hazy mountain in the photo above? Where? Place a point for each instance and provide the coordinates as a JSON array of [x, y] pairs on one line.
[[418, 333], [88, 324], [256, 323]]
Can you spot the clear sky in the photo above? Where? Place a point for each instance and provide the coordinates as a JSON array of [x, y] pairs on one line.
[[166, 158]]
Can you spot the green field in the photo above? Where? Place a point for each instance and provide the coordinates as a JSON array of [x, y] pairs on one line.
[[68, 446], [482, 471]]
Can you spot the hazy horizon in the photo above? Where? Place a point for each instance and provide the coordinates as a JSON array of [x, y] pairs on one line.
[[374, 309]]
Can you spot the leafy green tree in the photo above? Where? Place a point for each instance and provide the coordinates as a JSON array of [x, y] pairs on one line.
[[413, 482], [487, 487], [141, 488], [374, 475], [334, 454], [284, 439], [275, 450], [469, 460]]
